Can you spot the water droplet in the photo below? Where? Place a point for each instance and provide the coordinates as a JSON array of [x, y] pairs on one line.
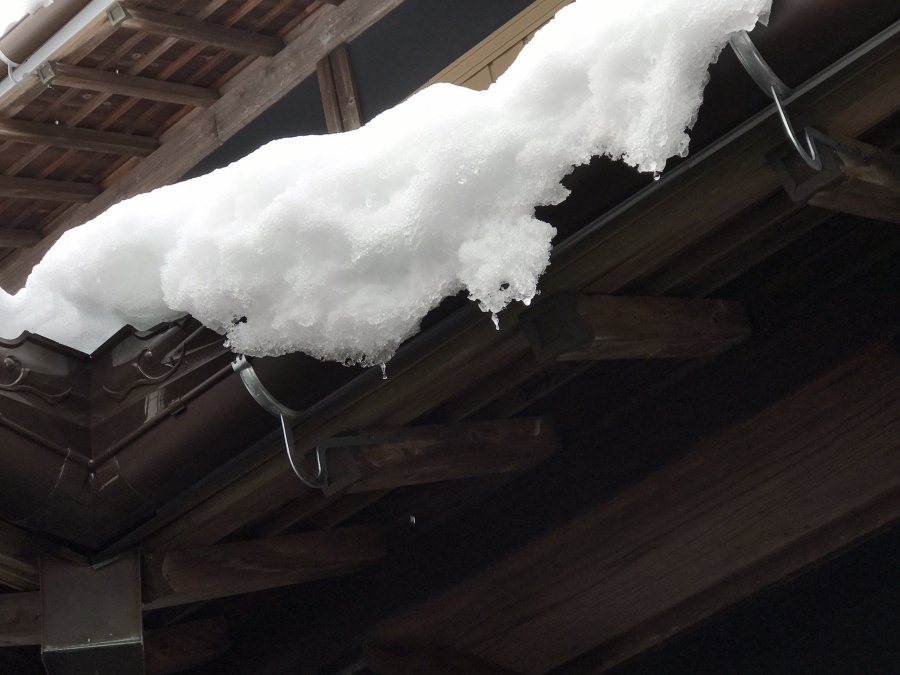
[[496, 320], [656, 175], [383, 371], [412, 520]]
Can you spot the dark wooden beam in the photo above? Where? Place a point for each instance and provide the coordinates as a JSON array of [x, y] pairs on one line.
[[428, 660], [760, 501], [578, 327], [76, 77], [193, 30], [179, 577], [184, 646], [429, 454], [857, 178], [61, 136], [51, 190], [338, 89], [19, 238], [20, 552], [20, 619]]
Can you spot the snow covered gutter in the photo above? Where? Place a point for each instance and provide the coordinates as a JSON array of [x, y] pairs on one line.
[[40, 35]]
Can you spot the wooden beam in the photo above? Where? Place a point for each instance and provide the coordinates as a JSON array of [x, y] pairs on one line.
[[51, 190], [61, 136], [338, 89], [428, 660], [19, 238], [858, 179], [184, 646], [179, 577], [578, 327], [55, 74], [738, 511], [19, 555], [429, 454], [20, 619], [193, 30], [260, 86]]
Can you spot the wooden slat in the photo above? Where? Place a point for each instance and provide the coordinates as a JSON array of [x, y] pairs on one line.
[[454, 451], [175, 649], [736, 501], [193, 30], [325, 72], [60, 136], [63, 75], [180, 577], [345, 88], [20, 619], [428, 660], [51, 190], [259, 87], [19, 238], [581, 327]]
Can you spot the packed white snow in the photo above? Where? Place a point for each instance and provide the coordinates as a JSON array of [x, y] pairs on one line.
[[338, 245], [13, 11]]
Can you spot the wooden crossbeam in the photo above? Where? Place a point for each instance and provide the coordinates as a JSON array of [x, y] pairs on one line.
[[338, 89], [60, 136], [193, 30], [20, 619], [175, 649], [429, 454], [76, 77], [857, 178], [179, 577], [428, 660], [19, 554], [51, 190], [578, 327], [19, 238]]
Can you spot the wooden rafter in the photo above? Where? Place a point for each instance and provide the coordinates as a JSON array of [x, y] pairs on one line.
[[180, 577], [19, 238], [193, 30], [19, 554], [60, 136], [581, 327], [51, 190], [77, 77], [428, 660]]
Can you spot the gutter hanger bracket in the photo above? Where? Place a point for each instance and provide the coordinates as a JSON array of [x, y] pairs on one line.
[[344, 468], [774, 88]]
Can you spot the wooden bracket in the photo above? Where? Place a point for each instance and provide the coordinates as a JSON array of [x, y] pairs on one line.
[[856, 178], [582, 327]]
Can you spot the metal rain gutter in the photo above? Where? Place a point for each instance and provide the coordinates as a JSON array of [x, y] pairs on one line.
[[62, 35]]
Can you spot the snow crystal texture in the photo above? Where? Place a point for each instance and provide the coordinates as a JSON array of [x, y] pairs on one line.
[[338, 245]]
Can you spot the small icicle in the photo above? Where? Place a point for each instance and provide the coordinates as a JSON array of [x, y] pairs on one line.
[[656, 175], [496, 320], [383, 371]]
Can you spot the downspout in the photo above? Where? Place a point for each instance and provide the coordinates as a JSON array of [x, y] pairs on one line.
[[39, 36]]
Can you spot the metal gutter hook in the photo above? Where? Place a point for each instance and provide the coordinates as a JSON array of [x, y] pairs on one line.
[[288, 418], [772, 85]]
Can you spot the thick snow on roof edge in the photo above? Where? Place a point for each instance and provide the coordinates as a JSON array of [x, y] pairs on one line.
[[339, 245]]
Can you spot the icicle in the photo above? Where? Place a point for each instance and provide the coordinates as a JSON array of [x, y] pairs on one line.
[[656, 175], [383, 371], [496, 320]]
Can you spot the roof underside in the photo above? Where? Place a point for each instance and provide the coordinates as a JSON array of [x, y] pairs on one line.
[[680, 487]]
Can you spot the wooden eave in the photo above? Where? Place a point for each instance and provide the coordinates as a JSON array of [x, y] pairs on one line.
[[681, 486]]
